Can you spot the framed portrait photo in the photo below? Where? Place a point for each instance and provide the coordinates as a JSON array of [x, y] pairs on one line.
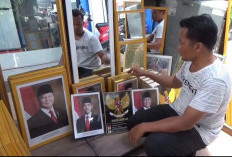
[[160, 63], [126, 84], [118, 109], [87, 114], [95, 85], [112, 79], [42, 104], [143, 99]]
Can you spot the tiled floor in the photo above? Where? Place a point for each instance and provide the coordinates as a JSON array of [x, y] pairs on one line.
[[222, 146]]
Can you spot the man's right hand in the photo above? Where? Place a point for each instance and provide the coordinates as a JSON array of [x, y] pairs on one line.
[[136, 71]]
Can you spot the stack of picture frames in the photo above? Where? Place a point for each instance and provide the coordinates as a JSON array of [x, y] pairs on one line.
[[43, 107], [97, 112]]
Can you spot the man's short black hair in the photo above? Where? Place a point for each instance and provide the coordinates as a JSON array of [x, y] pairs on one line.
[[46, 88], [86, 100], [202, 29], [146, 95], [77, 12]]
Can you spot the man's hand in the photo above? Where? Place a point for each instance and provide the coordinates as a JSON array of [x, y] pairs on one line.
[[104, 58], [136, 133], [136, 71]]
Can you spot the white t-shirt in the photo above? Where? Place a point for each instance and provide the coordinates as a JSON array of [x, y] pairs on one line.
[[207, 90], [158, 33], [87, 48]]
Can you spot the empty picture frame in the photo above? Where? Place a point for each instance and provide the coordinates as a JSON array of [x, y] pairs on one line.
[[83, 105], [143, 99], [134, 54], [160, 63], [42, 103]]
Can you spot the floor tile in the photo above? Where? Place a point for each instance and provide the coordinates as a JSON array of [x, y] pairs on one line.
[[111, 145], [66, 146]]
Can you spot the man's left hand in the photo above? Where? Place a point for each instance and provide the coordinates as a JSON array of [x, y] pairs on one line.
[[136, 133]]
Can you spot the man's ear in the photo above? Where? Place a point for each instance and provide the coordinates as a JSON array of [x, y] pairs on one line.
[[198, 46]]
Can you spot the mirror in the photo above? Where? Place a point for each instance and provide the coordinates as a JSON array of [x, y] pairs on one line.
[[125, 5], [155, 24], [95, 23], [29, 36], [130, 26]]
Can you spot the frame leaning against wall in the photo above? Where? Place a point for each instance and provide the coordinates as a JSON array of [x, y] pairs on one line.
[[24, 87], [118, 43], [72, 44]]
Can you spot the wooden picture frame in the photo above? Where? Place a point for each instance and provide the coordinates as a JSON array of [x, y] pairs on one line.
[[95, 85], [118, 109], [135, 54], [121, 19], [124, 4], [126, 84], [33, 92], [140, 95], [80, 112], [160, 63], [112, 79]]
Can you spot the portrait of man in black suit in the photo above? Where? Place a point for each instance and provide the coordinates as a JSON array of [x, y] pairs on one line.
[[48, 117], [88, 121], [146, 101]]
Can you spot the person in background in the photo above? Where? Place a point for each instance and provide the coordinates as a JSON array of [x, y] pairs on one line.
[[49, 117], [197, 116], [154, 41], [89, 121], [90, 54]]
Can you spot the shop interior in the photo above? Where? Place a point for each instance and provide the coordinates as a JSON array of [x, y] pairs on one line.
[[37, 46]]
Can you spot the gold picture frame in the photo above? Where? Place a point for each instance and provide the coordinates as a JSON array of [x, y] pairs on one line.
[[3, 93], [111, 79], [126, 84], [95, 85], [36, 126], [135, 54], [11, 143]]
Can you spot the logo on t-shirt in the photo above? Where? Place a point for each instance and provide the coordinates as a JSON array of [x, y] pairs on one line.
[[82, 47], [186, 82]]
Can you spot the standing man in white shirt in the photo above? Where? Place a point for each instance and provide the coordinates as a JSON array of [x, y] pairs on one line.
[[90, 54], [154, 41]]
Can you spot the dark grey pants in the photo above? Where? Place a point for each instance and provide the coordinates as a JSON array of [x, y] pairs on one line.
[[184, 143], [83, 72]]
